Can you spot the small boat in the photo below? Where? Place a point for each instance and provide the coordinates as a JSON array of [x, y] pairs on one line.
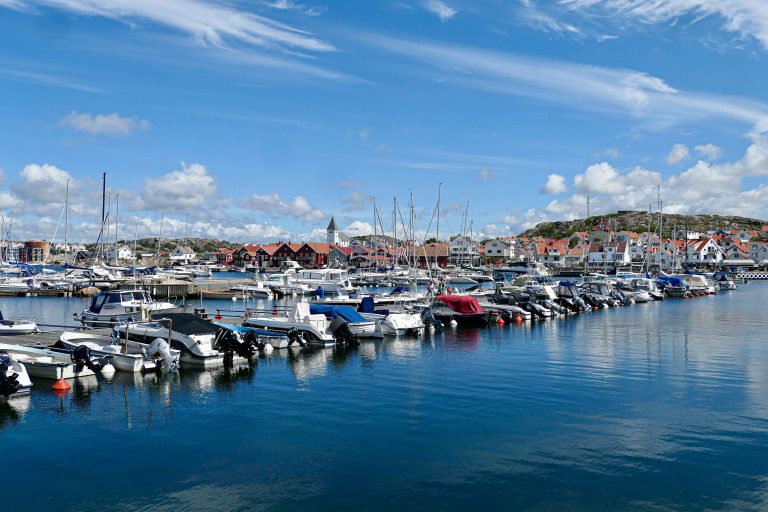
[[14, 379], [273, 339], [50, 364], [223, 295], [392, 323], [189, 334], [314, 328], [357, 324], [16, 326], [125, 355], [253, 290], [112, 307], [463, 309]]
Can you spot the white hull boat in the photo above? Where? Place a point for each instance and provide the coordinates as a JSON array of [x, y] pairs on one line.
[[313, 327], [16, 326], [125, 356], [190, 335], [49, 364], [116, 306]]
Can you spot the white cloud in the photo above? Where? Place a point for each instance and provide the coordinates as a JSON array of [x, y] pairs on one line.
[[213, 23], [599, 178], [297, 207], [586, 87], [42, 184], [708, 151], [358, 228], [357, 201], [677, 154], [8, 200], [113, 125], [440, 9], [555, 185], [748, 18], [486, 175], [191, 187]]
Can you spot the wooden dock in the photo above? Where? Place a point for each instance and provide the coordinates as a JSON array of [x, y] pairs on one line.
[[185, 289]]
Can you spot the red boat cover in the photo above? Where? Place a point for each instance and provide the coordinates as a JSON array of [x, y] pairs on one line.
[[461, 304]]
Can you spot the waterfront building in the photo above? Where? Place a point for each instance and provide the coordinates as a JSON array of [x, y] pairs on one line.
[[499, 248], [182, 254], [335, 235]]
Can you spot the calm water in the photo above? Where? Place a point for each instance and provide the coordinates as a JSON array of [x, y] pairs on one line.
[[660, 406]]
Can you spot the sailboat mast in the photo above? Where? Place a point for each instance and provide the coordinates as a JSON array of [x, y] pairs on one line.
[[437, 228], [136, 233], [66, 222], [117, 213]]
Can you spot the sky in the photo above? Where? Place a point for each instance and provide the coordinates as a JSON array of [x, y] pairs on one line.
[[255, 121]]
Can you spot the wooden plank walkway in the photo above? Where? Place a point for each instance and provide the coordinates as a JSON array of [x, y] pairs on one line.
[[44, 339]]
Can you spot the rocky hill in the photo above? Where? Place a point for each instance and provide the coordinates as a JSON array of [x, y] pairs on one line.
[[638, 221]]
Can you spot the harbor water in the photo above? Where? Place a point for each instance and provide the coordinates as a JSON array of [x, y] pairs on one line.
[[658, 406]]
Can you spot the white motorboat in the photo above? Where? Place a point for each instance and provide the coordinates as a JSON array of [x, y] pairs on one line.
[[45, 363], [189, 334], [111, 307], [17, 326], [357, 324], [257, 289], [314, 328], [331, 281], [125, 355], [393, 323], [14, 379]]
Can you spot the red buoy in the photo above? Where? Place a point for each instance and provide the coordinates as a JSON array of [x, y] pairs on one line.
[[61, 385], [500, 321], [518, 319], [218, 316]]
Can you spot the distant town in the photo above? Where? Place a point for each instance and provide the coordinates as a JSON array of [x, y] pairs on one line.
[[599, 247]]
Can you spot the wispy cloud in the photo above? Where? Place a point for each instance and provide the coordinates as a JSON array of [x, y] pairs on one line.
[[748, 18], [112, 125], [443, 11], [579, 86], [47, 79], [214, 22]]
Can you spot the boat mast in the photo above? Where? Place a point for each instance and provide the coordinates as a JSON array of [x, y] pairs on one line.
[[437, 228], [136, 233], [162, 216], [66, 222], [117, 212]]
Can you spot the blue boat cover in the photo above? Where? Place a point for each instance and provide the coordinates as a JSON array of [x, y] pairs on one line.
[[366, 305], [260, 332], [348, 313], [674, 281]]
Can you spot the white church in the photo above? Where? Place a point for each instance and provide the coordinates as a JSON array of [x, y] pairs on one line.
[[336, 237]]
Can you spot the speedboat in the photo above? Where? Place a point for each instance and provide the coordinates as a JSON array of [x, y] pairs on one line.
[[112, 307], [45, 363], [14, 379], [357, 324], [392, 323], [125, 355], [17, 326], [462, 309], [189, 334], [314, 328], [330, 281]]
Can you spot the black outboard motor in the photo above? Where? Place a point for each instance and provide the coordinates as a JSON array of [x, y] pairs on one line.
[[341, 332], [428, 317], [231, 343], [9, 384], [81, 356], [296, 336], [277, 293]]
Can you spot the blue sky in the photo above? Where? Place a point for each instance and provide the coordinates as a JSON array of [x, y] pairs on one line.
[[258, 120]]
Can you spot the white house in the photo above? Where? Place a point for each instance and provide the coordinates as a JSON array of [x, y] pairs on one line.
[[463, 251], [630, 237], [704, 252], [122, 253], [182, 254], [499, 249], [758, 251], [610, 254]]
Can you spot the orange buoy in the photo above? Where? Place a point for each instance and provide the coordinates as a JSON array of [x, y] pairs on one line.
[[61, 385], [518, 319], [500, 321]]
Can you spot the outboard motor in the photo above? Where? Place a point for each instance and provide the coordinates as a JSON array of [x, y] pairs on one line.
[[160, 353], [277, 293], [9, 384], [296, 336], [81, 356], [231, 343], [341, 332], [428, 317]]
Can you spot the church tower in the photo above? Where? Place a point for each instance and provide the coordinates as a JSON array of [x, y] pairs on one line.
[[333, 233]]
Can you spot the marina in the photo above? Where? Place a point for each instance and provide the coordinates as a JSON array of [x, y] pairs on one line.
[[562, 407]]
